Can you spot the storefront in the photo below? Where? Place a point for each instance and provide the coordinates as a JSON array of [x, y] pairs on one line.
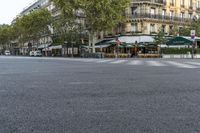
[[179, 42], [131, 45]]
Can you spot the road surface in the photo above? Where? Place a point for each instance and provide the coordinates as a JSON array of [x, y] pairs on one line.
[[59, 95]]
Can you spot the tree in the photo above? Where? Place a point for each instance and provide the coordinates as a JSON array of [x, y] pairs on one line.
[[160, 39], [196, 26], [184, 31], [66, 30], [32, 26], [5, 35], [100, 15]]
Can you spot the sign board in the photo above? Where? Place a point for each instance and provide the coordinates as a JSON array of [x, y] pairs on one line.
[[193, 33]]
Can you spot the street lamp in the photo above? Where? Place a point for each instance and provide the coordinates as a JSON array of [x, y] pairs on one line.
[[73, 43], [195, 19]]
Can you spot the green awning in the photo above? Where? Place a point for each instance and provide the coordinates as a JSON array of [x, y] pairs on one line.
[[179, 41]]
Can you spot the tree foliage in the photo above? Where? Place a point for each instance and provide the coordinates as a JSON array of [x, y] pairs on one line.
[[160, 38], [100, 15], [30, 27], [66, 30], [5, 35]]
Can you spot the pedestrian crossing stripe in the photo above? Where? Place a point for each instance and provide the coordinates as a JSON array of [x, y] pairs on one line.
[[181, 65], [155, 63], [146, 63], [194, 63], [135, 62], [118, 61], [104, 61]]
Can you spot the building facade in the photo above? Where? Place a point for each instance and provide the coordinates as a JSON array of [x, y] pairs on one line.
[[151, 16]]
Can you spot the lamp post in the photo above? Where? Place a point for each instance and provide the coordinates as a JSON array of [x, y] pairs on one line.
[[193, 42], [117, 45], [193, 34], [73, 43]]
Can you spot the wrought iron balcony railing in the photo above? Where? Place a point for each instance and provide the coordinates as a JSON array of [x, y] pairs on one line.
[[152, 1], [158, 17]]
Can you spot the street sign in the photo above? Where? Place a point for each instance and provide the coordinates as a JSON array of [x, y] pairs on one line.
[[193, 33], [118, 41]]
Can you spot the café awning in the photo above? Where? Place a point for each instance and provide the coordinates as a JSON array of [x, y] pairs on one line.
[[179, 41]]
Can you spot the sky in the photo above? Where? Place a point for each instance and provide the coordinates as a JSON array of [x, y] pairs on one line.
[[10, 8]]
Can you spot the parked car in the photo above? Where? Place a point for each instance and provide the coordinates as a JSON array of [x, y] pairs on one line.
[[7, 52], [37, 53], [31, 53]]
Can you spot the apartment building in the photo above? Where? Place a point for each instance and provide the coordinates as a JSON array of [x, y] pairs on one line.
[[151, 16], [45, 39]]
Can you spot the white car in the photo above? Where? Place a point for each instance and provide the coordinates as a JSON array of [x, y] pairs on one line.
[[7, 52], [31, 53], [37, 53]]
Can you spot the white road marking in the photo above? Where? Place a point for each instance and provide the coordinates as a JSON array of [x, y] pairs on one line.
[[89, 60], [155, 63], [194, 63], [118, 61], [180, 65], [135, 62], [104, 61]]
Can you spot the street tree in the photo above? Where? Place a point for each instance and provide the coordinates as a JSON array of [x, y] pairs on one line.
[[32, 26], [184, 31], [5, 35], [196, 26], [159, 40], [100, 15]]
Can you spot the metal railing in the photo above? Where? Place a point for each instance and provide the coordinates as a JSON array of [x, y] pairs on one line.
[[152, 1], [157, 17]]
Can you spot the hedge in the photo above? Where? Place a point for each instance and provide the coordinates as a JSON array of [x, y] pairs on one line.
[[178, 50]]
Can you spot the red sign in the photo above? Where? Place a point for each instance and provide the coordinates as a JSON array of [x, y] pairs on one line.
[[118, 41]]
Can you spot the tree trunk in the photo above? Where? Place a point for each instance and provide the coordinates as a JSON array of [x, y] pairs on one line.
[[94, 40], [90, 42]]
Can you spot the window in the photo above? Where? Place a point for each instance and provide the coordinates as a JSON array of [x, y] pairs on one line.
[[163, 13], [153, 12], [190, 3], [133, 10], [182, 15], [190, 15], [172, 2], [171, 27], [182, 3], [171, 14], [198, 4], [152, 28], [163, 28], [134, 27]]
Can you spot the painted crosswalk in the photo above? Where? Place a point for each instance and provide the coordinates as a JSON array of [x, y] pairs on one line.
[[194, 63], [149, 63], [185, 64], [118, 61], [135, 62], [155, 63], [181, 65]]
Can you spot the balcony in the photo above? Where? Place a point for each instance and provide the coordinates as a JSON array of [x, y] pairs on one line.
[[190, 7], [198, 9], [152, 1], [182, 6], [159, 17]]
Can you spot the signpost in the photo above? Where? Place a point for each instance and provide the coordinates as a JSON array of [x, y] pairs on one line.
[[193, 34], [118, 43]]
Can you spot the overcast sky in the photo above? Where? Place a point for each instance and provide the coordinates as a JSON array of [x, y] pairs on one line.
[[10, 8]]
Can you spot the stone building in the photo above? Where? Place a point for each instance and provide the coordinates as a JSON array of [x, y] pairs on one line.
[[151, 16]]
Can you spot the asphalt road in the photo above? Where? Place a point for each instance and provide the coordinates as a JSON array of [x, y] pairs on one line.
[[45, 95]]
